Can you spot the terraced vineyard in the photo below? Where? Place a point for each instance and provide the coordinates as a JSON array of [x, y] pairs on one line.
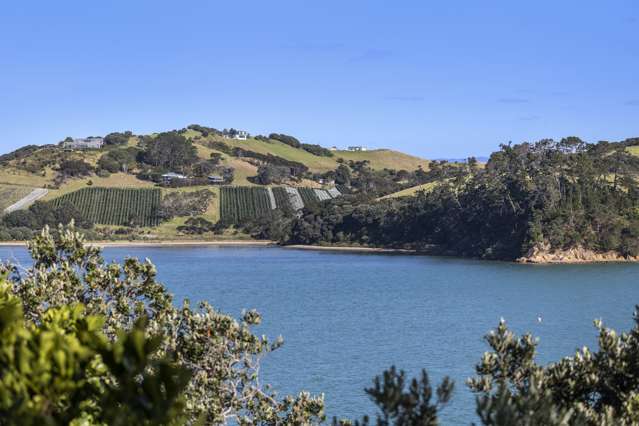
[[239, 203], [116, 206], [308, 196], [282, 199]]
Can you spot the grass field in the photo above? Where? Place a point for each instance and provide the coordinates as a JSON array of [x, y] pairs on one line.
[[11, 176], [9, 194], [409, 192], [385, 159], [634, 150], [379, 158], [116, 206]]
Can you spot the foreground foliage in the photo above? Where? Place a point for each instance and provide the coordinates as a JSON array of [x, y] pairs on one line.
[[221, 354], [62, 369]]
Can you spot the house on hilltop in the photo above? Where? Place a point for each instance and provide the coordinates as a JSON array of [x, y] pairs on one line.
[[241, 135], [92, 142]]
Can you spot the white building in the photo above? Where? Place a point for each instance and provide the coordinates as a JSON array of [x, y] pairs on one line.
[[241, 135], [333, 148], [168, 177], [92, 142]]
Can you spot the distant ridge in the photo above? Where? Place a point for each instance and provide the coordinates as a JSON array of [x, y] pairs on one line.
[[482, 159]]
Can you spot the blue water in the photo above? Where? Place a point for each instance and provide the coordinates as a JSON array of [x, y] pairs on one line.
[[346, 317]]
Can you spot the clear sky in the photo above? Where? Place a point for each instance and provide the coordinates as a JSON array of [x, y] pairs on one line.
[[445, 79]]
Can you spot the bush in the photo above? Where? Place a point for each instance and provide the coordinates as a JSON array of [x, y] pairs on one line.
[[288, 140], [62, 369], [168, 150], [222, 353], [41, 214], [5, 235], [196, 226], [317, 150], [268, 174], [117, 138], [75, 168], [119, 160], [191, 203]]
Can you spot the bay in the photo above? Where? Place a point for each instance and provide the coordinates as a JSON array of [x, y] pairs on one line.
[[345, 317]]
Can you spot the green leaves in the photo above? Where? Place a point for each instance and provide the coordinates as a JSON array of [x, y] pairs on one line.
[[589, 388], [156, 363], [403, 405], [64, 370]]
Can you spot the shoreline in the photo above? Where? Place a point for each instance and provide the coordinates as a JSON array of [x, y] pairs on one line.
[[554, 259], [163, 243], [354, 249]]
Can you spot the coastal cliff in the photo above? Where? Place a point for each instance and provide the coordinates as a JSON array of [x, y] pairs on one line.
[[543, 253]]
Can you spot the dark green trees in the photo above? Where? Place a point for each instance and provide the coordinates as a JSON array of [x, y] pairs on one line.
[[170, 151], [556, 195]]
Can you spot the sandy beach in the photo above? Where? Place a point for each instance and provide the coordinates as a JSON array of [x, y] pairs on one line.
[[350, 249]]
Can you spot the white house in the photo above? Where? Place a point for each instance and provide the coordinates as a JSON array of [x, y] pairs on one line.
[[333, 148], [241, 135], [357, 148], [168, 177], [92, 142]]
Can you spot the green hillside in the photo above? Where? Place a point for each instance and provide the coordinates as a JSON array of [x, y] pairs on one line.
[[378, 158], [120, 184], [409, 192]]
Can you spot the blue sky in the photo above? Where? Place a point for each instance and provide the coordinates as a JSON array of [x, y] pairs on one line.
[[445, 79]]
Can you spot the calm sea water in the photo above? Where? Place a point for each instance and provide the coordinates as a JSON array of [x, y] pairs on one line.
[[346, 317]]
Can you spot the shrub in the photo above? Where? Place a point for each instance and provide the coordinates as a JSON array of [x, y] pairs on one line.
[[288, 140], [168, 150], [61, 369], [222, 353], [191, 203], [117, 138], [75, 168], [196, 226]]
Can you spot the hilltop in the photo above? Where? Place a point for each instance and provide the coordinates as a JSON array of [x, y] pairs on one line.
[[186, 162], [35, 166]]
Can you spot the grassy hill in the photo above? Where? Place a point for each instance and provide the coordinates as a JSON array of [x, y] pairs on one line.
[[378, 158], [9, 194], [385, 159], [39, 167], [409, 192]]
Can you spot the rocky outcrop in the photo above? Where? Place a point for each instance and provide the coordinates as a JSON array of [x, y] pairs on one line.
[[543, 253]]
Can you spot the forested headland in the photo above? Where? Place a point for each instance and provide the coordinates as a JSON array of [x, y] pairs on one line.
[[544, 196]]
